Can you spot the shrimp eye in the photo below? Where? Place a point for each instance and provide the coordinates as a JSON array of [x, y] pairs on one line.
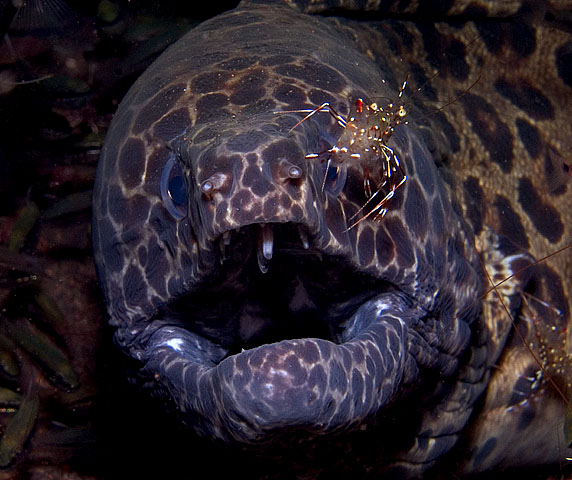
[[173, 189], [334, 178]]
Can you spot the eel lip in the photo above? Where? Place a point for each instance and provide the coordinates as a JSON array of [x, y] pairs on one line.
[[311, 385]]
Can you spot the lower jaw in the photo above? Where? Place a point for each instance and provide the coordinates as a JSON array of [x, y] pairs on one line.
[[310, 385]]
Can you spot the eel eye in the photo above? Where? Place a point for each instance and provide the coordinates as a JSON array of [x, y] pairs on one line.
[[334, 178], [173, 189]]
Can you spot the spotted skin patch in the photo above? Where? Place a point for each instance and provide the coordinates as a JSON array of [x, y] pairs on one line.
[[529, 136], [544, 217], [474, 202], [527, 98], [493, 132], [510, 225]]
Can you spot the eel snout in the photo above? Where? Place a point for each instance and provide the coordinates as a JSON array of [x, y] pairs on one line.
[[284, 331]]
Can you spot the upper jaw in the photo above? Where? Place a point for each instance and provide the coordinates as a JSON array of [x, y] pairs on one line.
[[269, 282]]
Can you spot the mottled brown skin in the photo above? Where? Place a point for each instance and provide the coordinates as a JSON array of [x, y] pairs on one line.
[[507, 134], [430, 340]]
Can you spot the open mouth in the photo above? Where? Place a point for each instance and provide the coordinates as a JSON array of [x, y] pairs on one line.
[[279, 338], [271, 284]]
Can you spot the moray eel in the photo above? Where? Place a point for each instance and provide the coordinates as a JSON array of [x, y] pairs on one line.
[[259, 317]]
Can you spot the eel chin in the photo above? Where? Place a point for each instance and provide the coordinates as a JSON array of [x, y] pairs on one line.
[[279, 338]]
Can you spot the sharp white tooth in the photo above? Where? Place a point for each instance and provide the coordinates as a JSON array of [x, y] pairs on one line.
[[226, 238], [267, 241], [304, 238], [262, 262], [265, 246]]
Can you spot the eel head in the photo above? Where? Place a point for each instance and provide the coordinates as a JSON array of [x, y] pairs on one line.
[[230, 263]]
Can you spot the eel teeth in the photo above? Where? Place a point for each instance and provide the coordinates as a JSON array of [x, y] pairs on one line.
[[265, 246], [224, 242], [304, 238], [262, 263], [267, 241]]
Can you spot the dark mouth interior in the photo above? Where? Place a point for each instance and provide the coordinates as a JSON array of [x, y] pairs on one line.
[[303, 293]]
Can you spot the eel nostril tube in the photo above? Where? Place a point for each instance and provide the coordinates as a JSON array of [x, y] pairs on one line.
[[214, 184], [288, 171]]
